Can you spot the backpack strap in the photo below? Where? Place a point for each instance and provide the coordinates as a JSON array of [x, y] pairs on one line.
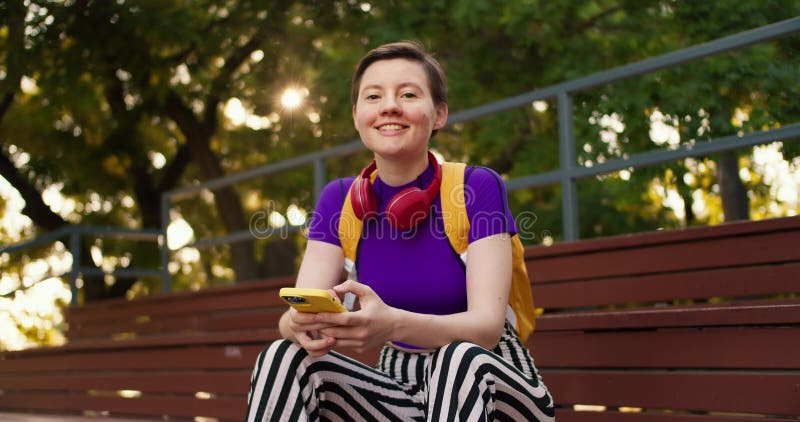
[[454, 207], [349, 233], [520, 311]]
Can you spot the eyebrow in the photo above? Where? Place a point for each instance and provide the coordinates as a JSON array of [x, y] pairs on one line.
[[402, 85]]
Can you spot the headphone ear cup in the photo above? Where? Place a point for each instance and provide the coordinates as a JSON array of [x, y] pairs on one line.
[[408, 208], [362, 198]]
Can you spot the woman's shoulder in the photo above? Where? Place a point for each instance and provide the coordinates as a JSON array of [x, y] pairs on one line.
[[336, 190], [480, 175]]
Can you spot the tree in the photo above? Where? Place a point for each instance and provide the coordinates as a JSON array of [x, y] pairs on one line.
[[137, 91], [124, 81]]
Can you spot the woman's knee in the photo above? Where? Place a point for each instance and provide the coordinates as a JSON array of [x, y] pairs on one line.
[[282, 349], [458, 350]]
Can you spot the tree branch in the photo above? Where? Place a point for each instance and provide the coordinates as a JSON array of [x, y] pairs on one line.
[[596, 18], [183, 117], [8, 99], [173, 171], [35, 208], [232, 63]]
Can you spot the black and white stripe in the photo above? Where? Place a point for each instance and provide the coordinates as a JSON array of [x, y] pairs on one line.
[[460, 381]]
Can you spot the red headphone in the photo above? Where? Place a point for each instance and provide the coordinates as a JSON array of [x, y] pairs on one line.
[[406, 209]]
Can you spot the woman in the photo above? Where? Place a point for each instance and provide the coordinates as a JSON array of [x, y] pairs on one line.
[[449, 353]]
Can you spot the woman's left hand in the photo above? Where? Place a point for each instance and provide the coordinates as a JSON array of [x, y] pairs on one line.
[[361, 330]]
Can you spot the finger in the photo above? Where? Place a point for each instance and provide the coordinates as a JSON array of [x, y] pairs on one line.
[[301, 317], [335, 295], [331, 333], [316, 347], [354, 287], [357, 345], [333, 319]]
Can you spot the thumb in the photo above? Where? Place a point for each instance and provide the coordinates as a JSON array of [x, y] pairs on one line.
[[354, 287]]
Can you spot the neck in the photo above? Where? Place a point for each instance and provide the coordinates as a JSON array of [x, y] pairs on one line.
[[397, 173]]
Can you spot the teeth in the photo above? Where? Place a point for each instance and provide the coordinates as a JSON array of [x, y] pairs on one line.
[[390, 127]]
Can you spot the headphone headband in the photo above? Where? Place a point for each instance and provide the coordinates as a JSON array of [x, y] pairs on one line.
[[406, 209]]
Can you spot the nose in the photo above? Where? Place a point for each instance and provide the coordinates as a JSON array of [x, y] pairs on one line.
[[390, 106]]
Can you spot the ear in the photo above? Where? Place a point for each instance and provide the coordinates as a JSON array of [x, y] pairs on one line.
[[355, 124], [441, 116]]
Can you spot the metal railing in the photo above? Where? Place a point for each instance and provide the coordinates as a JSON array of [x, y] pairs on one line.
[[569, 172], [72, 237], [566, 175]]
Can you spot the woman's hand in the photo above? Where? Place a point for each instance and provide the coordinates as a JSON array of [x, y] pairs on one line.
[[306, 332], [361, 330]]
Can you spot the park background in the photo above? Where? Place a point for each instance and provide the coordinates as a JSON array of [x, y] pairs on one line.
[[108, 105]]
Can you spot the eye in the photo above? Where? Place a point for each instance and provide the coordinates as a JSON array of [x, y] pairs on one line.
[[371, 97], [408, 94]]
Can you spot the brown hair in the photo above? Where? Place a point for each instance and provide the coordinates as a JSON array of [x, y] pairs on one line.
[[410, 50]]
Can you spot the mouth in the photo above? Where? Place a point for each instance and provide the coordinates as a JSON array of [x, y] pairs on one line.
[[390, 127]]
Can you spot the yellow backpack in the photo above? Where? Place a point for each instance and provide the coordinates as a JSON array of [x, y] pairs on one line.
[[456, 223]]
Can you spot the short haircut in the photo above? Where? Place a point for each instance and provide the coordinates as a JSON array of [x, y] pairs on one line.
[[410, 50]]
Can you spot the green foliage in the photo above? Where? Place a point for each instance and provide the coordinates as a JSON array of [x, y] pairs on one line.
[[130, 99]]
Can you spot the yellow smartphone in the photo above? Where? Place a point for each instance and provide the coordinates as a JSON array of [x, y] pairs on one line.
[[311, 300]]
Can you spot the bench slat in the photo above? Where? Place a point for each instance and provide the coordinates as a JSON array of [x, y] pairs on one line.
[[225, 407], [164, 358], [563, 415], [759, 280], [660, 237], [204, 322], [770, 393], [144, 307], [744, 347], [725, 314], [262, 336], [228, 382], [773, 248]]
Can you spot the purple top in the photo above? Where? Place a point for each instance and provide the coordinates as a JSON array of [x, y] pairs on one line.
[[416, 270]]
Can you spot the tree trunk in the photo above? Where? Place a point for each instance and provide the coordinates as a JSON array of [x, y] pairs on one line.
[[735, 204], [198, 138], [230, 209]]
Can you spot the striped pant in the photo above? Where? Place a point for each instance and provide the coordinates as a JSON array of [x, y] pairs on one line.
[[460, 381]]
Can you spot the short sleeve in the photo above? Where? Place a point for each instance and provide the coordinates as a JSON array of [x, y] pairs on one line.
[[324, 223], [487, 204]]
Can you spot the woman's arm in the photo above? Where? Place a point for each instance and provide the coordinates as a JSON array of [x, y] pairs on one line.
[[488, 284], [320, 268]]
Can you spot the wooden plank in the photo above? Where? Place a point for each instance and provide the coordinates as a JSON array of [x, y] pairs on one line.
[[564, 415], [773, 248], [156, 358], [134, 310], [730, 229], [202, 322], [738, 348], [761, 280], [726, 314], [770, 393], [57, 417], [188, 406], [263, 336], [90, 310], [227, 382], [234, 356]]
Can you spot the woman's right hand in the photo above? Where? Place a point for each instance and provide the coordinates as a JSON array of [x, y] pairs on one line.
[[306, 333]]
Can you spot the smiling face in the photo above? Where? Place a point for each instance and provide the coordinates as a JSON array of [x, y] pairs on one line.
[[395, 112]]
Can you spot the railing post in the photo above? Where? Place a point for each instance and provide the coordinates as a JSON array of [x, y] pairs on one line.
[[320, 178], [569, 191], [165, 252], [74, 273]]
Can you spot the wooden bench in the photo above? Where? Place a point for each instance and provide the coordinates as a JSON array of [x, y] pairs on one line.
[[694, 325], [180, 355]]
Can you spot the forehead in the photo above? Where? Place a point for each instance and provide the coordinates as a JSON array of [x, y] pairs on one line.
[[392, 72]]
